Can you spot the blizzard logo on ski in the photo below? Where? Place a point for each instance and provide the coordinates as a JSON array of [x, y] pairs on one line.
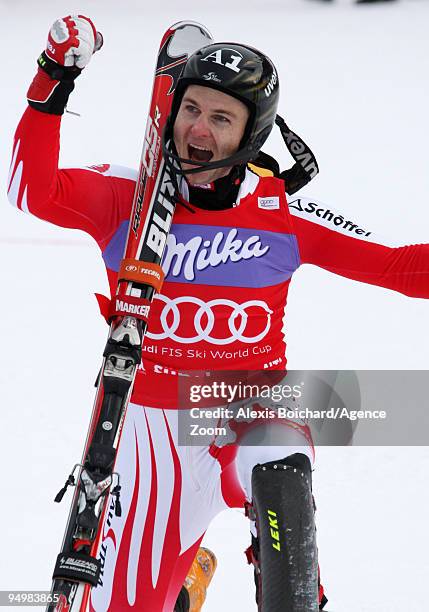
[[230, 58], [274, 530], [211, 76], [160, 225], [79, 565], [271, 85], [191, 256], [272, 203], [132, 309], [328, 216]]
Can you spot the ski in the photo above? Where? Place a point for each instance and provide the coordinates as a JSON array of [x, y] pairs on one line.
[[77, 568]]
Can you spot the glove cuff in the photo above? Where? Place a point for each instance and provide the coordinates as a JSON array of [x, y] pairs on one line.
[[51, 87], [56, 71]]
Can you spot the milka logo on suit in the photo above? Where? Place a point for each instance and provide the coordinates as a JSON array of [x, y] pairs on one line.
[[197, 254]]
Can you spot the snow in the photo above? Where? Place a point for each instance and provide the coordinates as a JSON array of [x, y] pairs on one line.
[[354, 85]]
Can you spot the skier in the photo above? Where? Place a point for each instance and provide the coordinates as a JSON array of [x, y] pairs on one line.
[[235, 243]]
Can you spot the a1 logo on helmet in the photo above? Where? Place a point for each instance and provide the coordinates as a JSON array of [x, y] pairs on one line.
[[230, 58]]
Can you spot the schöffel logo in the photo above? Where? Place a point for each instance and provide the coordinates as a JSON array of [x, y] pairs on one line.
[[328, 216], [272, 203]]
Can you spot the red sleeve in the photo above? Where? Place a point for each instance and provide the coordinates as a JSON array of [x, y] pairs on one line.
[[328, 240], [94, 200]]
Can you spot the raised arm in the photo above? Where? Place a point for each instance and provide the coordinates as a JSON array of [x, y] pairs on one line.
[[95, 199], [331, 241]]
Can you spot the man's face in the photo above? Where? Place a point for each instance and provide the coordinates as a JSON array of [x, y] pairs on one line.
[[209, 126]]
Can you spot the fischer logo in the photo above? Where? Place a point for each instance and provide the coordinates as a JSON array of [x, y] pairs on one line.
[[328, 215], [159, 228], [133, 309], [271, 84], [131, 268], [272, 203], [230, 58], [198, 254], [211, 76]]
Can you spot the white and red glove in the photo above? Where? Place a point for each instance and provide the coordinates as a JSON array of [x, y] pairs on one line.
[[72, 41]]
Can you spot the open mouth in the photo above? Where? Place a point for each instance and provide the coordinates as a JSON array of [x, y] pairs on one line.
[[200, 154]]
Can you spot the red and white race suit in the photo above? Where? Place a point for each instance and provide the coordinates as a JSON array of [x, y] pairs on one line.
[[221, 308]]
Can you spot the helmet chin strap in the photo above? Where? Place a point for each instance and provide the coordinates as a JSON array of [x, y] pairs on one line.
[[174, 162], [304, 169]]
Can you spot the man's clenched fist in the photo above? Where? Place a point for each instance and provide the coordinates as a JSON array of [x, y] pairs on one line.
[[72, 41]]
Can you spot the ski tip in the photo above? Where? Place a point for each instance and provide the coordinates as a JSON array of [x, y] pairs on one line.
[[180, 25]]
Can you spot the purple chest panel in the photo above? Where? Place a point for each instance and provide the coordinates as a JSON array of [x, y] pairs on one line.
[[218, 255]]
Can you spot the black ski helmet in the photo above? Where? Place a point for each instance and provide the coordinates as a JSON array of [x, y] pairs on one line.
[[239, 71]]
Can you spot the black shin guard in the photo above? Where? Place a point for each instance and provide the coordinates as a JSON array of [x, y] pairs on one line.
[[287, 554]]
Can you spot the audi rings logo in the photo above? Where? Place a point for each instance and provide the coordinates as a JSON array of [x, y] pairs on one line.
[[131, 268], [204, 320]]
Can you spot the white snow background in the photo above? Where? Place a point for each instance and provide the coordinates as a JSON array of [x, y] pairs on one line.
[[354, 82]]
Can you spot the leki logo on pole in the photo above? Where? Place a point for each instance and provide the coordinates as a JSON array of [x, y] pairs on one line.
[[274, 529]]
